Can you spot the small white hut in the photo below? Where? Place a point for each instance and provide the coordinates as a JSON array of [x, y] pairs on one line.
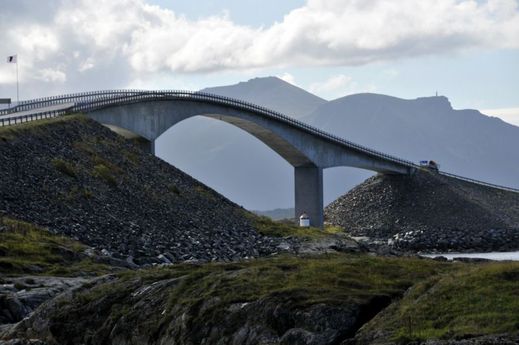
[[304, 220]]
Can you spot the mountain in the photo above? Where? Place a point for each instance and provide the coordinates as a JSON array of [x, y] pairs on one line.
[[278, 213], [464, 142], [242, 168], [232, 161], [272, 93]]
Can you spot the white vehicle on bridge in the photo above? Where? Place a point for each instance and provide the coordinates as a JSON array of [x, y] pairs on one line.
[[431, 165]]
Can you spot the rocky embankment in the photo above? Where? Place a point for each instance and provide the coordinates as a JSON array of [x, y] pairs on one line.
[[279, 300], [429, 212], [20, 296], [77, 178], [338, 299]]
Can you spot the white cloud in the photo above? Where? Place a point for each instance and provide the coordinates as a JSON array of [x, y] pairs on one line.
[[86, 65], [334, 84], [7, 74], [289, 78], [51, 75], [38, 42], [510, 115], [131, 40], [338, 86], [391, 73]]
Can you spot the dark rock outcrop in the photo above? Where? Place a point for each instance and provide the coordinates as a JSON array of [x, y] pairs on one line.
[[429, 211], [77, 178], [497, 339], [20, 296], [139, 313], [500, 339], [22, 342]]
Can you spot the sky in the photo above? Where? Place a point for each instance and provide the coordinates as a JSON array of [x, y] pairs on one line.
[[466, 50]]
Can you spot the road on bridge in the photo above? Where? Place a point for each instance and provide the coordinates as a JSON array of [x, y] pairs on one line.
[[52, 108]]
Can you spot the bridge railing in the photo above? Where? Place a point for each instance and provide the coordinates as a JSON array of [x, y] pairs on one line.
[[56, 100], [202, 96], [486, 184], [94, 100], [9, 121]]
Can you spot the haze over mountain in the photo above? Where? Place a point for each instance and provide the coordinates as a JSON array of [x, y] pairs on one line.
[[232, 161], [273, 93], [464, 142], [245, 170]]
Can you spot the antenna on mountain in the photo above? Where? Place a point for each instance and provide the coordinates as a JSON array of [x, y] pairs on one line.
[[436, 93]]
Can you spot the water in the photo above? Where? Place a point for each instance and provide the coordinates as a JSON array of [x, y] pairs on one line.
[[499, 256]]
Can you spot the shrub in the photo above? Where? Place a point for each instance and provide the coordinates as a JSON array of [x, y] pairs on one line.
[[64, 167], [174, 189], [102, 171]]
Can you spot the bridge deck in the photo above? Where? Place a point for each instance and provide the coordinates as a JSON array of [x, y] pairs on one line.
[[35, 109]]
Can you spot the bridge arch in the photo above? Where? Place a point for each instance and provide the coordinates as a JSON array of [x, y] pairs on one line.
[[150, 113], [308, 154], [151, 119]]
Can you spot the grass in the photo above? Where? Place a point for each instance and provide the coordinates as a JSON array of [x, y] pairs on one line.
[[25, 248], [331, 279], [205, 192], [102, 168], [446, 300], [103, 172], [174, 189], [269, 227], [10, 132], [471, 301], [64, 167], [294, 282]]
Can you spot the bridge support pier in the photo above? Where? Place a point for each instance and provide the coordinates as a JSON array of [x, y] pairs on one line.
[[150, 147], [309, 193]]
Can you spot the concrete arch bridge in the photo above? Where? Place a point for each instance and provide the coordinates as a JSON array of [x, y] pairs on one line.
[[150, 113]]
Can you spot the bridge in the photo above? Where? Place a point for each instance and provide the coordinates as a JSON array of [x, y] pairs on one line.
[[148, 114]]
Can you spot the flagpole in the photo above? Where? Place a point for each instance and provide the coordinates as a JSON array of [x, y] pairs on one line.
[[17, 84]]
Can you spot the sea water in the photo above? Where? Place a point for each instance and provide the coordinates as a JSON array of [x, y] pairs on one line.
[[499, 256]]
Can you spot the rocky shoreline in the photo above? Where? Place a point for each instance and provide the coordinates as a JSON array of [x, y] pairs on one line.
[[21, 296]]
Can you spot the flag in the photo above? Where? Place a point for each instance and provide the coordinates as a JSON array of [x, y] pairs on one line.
[[12, 59]]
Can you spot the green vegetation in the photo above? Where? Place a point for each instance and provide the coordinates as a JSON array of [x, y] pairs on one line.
[[10, 132], [340, 279], [331, 279], [205, 192], [269, 227], [25, 248], [64, 167], [76, 192], [103, 172], [447, 300], [174, 189], [475, 300]]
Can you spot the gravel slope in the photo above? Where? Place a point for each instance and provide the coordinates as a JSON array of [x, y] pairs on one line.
[[78, 178], [428, 211]]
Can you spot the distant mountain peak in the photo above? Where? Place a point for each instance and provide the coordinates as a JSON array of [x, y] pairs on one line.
[[438, 102], [267, 78], [268, 81], [273, 93]]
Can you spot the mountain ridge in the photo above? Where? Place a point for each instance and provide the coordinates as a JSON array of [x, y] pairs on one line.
[[417, 129], [273, 93]]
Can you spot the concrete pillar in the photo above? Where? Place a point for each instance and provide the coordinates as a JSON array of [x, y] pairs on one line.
[[309, 193], [151, 147]]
